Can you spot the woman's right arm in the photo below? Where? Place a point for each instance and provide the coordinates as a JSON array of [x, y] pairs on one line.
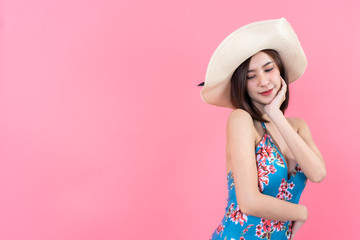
[[240, 141]]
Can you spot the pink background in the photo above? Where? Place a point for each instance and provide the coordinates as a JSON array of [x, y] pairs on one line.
[[104, 134]]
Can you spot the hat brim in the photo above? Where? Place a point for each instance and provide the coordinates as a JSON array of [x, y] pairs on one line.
[[244, 43]]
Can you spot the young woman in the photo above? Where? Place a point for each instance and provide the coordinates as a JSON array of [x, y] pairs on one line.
[[250, 72]]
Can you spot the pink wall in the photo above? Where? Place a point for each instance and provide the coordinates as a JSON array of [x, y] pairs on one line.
[[104, 134]]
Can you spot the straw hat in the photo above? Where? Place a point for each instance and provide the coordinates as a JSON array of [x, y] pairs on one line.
[[243, 43]]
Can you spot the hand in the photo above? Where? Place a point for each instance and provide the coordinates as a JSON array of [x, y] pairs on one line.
[[278, 99], [295, 227]]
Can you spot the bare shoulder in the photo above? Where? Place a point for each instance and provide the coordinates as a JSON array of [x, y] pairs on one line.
[[298, 124], [239, 113], [240, 123], [240, 140], [239, 117]]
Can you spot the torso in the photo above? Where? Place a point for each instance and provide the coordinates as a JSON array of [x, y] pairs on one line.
[[279, 140]]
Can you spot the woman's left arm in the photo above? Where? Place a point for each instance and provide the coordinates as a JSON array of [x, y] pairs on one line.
[[301, 145]]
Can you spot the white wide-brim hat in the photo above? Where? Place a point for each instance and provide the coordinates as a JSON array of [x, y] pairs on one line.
[[243, 43]]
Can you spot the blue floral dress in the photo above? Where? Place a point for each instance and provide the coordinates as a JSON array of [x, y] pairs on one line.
[[273, 180]]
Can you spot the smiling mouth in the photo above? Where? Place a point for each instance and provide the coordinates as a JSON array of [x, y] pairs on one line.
[[266, 92]]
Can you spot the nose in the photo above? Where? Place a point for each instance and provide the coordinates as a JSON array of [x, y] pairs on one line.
[[263, 79]]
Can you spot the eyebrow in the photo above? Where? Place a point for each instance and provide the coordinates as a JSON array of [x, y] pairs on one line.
[[262, 66]]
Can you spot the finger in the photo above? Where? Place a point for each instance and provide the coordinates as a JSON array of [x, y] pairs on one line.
[[282, 81], [284, 87]]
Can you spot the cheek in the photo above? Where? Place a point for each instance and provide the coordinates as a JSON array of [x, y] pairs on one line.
[[251, 87], [275, 73], [276, 77]]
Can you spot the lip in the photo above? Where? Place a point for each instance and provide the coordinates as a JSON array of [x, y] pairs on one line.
[[266, 92]]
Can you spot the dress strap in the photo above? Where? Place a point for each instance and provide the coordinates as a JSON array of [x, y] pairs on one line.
[[264, 127]]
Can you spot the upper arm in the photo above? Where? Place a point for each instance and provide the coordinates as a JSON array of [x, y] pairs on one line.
[[240, 149], [305, 134]]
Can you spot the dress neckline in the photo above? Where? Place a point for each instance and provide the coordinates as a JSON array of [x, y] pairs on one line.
[[277, 148], [272, 139]]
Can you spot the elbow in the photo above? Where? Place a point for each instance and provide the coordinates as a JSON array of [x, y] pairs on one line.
[[319, 177], [247, 204], [245, 209]]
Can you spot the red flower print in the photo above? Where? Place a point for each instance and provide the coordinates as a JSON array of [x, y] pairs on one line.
[[296, 170], [272, 169], [267, 225], [242, 238], [284, 194], [260, 159], [279, 225], [266, 235], [264, 229], [220, 229], [289, 231], [280, 161], [237, 216], [263, 177], [230, 210], [263, 174], [265, 152], [268, 150], [247, 228]]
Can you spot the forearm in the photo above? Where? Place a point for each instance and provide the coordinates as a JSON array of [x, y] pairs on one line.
[[265, 206], [311, 164]]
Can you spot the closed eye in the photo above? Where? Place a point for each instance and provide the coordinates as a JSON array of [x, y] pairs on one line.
[[250, 77], [269, 70]]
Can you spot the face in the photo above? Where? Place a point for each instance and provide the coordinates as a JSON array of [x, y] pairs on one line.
[[263, 79]]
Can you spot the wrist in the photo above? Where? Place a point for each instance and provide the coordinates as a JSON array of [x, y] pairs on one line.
[[273, 113]]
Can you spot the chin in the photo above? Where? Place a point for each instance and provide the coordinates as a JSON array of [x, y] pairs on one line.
[[267, 102]]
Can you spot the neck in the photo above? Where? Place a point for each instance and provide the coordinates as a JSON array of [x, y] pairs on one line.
[[260, 107], [263, 113], [265, 116]]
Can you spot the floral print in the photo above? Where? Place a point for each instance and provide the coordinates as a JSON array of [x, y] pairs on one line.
[[273, 180], [263, 172], [266, 227], [247, 228], [220, 229], [279, 225], [237, 216], [288, 232], [296, 170], [284, 193]]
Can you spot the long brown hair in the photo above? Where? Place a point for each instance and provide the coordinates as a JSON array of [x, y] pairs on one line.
[[238, 94]]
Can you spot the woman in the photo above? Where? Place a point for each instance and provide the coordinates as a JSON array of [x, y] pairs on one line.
[[250, 72]]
